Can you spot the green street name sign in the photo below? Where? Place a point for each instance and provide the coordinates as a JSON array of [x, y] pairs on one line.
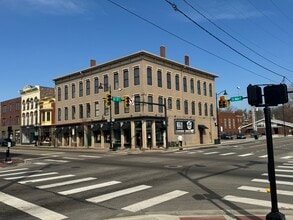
[[236, 98], [116, 99]]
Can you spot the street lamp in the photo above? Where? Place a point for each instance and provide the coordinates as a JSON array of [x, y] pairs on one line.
[[217, 109], [110, 113]]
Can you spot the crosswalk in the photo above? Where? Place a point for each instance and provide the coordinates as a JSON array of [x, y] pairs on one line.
[[74, 186], [261, 185], [229, 153]]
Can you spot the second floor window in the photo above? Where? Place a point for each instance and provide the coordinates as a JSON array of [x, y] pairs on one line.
[[66, 114], [150, 105], [73, 112], [97, 109], [160, 106], [88, 110], [80, 111], [96, 85]]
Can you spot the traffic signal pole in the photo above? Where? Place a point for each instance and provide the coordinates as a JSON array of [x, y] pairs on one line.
[[274, 214]]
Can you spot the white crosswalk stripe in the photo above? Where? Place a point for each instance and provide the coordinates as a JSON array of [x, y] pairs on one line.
[[66, 183], [30, 208], [55, 160], [227, 154], [286, 181], [45, 179], [246, 155], [264, 190], [90, 187], [18, 173], [13, 170], [254, 202], [154, 201], [116, 194], [30, 176]]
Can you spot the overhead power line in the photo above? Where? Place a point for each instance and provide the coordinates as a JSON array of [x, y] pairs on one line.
[[188, 42], [174, 6], [234, 38]]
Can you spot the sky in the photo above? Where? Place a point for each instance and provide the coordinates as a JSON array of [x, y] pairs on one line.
[[241, 41]]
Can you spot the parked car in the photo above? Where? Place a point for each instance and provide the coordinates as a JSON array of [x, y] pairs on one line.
[[241, 136], [226, 136], [4, 142]]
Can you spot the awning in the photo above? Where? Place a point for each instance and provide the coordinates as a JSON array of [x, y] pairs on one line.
[[79, 129], [202, 127], [125, 126], [116, 126], [96, 127], [106, 127]]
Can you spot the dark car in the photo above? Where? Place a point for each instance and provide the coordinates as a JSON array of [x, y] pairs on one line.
[[241, 136], [226, 136], [4, 142]]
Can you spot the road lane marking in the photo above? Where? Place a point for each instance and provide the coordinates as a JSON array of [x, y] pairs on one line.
[[227, 154], [154, 201], [18, 173], [90, 156], [264, 190], [278, 182], [30, 208], [40, 163], [209, 153], [59, 161], [66, 183], [245, 155], [116, 194], [45, 179], [72, 158], [279, 175], [286, 171], [287, 157], [29, 176], [86, 188], [257, 202], [13, 170], [263, 156], [289, 167]]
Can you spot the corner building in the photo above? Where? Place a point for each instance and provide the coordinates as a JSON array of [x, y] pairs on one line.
[[168, 99]]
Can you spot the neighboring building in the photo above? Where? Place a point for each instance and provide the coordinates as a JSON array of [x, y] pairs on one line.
[[279, 127], [30, 112], [152, 82], [230, 122], [10, 119], [47, 120]]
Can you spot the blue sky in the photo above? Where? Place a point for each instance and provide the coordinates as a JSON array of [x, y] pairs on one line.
[[45, 39]]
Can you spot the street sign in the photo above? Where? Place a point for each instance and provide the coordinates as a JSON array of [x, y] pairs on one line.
[[236, 98], [116, 99]]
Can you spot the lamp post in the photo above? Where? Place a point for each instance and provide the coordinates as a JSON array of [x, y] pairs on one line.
[[110, 112], [217, 109]]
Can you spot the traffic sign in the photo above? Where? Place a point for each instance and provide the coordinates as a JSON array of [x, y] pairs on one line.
[[236, 98], [116, 99]]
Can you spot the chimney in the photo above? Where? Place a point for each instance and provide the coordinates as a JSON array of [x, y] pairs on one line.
[[186, 60], [162, 51], [92, 62]]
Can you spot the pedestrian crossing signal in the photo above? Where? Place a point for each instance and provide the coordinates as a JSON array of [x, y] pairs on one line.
[[126, 101]]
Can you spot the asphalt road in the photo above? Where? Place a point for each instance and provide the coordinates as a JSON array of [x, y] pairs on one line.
[[229, 179]]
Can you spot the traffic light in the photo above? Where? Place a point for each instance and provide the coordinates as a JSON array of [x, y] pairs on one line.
[[226, 103], [254, 95], [222, 102], [108, 99], [126, 101]]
